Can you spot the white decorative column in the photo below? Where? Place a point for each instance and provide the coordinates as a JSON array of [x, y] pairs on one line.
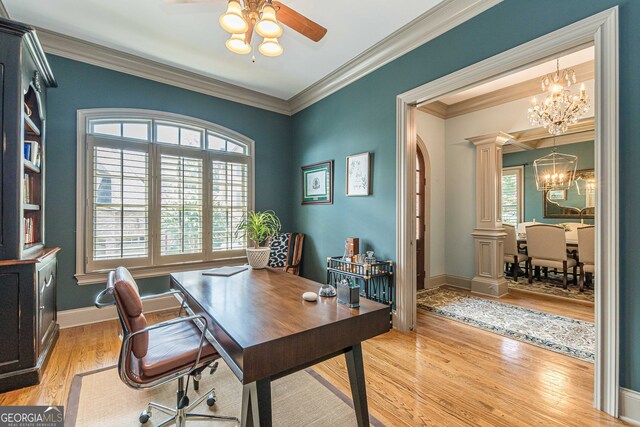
[[489, 234]]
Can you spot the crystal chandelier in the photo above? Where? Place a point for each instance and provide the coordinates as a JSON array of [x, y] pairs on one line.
[[560, 108], [241, 21], [555, 171]]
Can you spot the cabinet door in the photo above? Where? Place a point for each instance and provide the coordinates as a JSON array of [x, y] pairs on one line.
[[16, 318], [46, 301]]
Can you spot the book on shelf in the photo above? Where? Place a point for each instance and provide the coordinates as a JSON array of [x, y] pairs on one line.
[[29, 231], [27, 150], [32, 152], [27, 188]]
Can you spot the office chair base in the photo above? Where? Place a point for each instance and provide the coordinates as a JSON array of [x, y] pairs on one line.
[[180, 416]]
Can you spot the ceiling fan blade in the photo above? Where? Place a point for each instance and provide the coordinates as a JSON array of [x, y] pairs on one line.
[[299, 23]]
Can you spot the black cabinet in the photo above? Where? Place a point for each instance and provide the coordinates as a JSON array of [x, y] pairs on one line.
[[28, 270]]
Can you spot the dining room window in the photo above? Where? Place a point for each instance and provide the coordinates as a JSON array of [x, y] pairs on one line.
[[513, 195], [159, 190]]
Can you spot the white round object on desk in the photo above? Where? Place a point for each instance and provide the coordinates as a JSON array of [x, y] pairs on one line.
[[310, 296]]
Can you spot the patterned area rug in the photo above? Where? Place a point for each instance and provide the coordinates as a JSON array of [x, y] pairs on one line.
[[564, 335], [552, 287]]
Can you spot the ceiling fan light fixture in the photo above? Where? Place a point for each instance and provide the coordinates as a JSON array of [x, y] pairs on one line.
[[232, 20], [237, 44], [270, 47], [268, 26]]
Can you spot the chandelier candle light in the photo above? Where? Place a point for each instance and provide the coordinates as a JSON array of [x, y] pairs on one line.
[[241, 21], [560, 108], [555, 171]]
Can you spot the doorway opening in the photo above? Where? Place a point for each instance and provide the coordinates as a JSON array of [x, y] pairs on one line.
[[601, 31], [423, 216]]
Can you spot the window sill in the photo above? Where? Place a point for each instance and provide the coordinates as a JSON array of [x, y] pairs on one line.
[[157, 271]]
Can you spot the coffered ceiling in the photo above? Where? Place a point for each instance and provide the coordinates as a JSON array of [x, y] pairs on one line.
[[188, 36]]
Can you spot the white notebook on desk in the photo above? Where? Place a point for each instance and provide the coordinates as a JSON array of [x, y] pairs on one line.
[[225, 271]]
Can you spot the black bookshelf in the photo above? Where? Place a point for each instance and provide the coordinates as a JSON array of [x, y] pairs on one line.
[[28, 269]]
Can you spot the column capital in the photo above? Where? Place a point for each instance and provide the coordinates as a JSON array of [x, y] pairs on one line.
[[498, 138]]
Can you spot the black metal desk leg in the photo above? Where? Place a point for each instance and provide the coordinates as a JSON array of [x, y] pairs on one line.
[[256, 404], [358, 386]]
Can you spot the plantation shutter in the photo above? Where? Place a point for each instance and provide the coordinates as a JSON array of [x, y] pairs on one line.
[[181, 205], [120, 204], [229, 186], [511, 197]]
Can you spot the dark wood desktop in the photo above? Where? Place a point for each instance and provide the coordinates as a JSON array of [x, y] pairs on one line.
[[264, 330]]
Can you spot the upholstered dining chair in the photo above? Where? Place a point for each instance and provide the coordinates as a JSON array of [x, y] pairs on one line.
[[547, 247], [511, 254], [154, 355], [286, 252], [586, 252]]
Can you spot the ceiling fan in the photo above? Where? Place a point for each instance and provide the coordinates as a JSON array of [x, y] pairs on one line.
[[243, 17]]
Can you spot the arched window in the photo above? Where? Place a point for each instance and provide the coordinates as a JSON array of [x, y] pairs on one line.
[[156, 190]]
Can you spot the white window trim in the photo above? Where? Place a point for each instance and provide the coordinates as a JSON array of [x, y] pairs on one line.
[[85, 277], [519, 172]]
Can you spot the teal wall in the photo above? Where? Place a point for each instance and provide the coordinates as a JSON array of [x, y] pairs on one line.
[[358, 118], [85, 86], [533, 207], [361, 117]]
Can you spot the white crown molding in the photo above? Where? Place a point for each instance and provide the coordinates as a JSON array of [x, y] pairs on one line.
[[3, 11], [94, 54], [437, 21]]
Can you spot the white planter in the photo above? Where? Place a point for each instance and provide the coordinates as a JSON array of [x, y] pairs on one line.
[[258, 258]]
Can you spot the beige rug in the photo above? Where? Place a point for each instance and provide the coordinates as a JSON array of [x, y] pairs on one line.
[[304, 398]]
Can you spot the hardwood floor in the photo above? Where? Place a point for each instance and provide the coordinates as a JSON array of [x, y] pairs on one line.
[[445, 374]]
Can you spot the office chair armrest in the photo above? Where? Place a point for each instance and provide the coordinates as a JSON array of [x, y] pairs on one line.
[[127, 343], [164, 294], [174, 292], [101, 304]]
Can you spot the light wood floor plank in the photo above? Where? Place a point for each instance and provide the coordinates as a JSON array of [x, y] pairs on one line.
[[445, 374]]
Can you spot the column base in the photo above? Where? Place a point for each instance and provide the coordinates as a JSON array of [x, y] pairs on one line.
[[490, 287]]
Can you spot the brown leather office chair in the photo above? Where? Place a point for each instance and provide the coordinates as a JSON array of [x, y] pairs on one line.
[[157, 354]]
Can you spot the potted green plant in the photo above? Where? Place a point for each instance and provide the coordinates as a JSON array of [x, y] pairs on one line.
[[258, 227]]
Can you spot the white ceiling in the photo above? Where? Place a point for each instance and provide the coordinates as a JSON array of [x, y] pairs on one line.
[[537, 71], [188, 36]]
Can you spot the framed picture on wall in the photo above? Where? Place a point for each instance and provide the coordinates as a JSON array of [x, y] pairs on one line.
[[317, 183], [557, 194], [359, 174]]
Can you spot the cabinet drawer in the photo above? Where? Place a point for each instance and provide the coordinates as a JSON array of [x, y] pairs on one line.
[[47, 276]]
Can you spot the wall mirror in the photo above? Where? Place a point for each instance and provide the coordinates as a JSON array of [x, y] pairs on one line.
[[577, 202]]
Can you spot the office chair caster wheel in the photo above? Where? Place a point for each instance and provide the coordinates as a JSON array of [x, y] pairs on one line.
[[211, 400], [144, 416]]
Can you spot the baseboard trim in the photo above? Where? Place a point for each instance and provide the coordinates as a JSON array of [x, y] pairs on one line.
[[630, 406], [88, 315], [458, 282], [436, 281]]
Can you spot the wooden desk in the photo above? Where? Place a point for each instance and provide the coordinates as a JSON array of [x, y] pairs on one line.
[[264, 330]]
